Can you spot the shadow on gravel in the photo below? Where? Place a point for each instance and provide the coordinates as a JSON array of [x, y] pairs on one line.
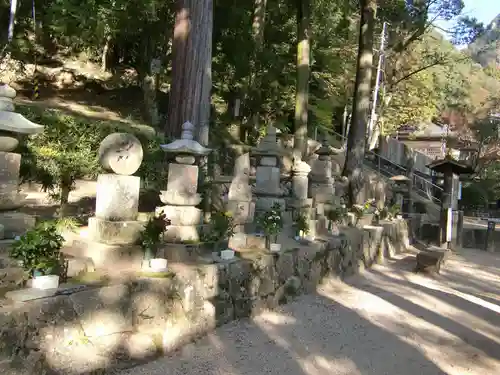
[[311, 336]]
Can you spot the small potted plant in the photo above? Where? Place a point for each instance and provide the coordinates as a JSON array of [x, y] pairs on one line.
[[150, 238], [395, 211], [39, 252], [301, 225], [271, 223], [221, 229], [364, 213], [335, 217]]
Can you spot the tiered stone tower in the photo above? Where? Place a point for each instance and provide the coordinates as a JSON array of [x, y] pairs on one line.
[[181, 196], [117, 196], [12, 126]]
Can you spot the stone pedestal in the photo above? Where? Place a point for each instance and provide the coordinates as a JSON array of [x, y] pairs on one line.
[[117, 195], [181, 195]]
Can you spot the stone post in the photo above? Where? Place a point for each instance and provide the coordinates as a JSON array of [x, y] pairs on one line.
[[117, 195], [267, 187], [301, 203], [12, 125], [240, 202], [181, 197]]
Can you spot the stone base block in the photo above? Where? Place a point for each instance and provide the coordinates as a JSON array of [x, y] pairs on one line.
[[114, 232], [117, 197], [265, 203], [430, 261], [243, 212], [104, 256], [181, 215], [11, 200], [16, 223], [179, 233], [179, 253]]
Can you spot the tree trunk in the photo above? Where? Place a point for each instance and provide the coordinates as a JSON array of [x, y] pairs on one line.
[[258, 24], [64, 190], [356, 141], [105, 53], [191, 68], [148, 84], [12, 20], [302, 94]]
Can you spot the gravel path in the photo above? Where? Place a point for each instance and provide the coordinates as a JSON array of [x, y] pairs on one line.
[[387, 321]]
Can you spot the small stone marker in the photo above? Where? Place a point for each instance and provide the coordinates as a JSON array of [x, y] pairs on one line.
[[121, 153], [430, 260], [488, 242]]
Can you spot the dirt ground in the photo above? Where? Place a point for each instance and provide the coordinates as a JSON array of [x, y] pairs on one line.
[[386, 321]]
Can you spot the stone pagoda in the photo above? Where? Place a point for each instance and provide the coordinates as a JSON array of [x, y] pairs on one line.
[[117, 196], [12, 126], [181, 196], [322, 186]]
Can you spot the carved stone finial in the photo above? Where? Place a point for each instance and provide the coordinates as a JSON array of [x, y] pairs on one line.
[[187, 144]]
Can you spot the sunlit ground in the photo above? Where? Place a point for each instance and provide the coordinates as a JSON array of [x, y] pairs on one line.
[[386, 321]]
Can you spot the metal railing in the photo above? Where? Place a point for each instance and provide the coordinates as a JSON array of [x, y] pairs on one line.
[[387, 168]]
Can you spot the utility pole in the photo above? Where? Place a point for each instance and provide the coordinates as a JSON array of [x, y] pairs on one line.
[[372, 134]]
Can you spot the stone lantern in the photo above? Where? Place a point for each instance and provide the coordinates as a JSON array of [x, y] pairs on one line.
[[12, 126], [181, 196]]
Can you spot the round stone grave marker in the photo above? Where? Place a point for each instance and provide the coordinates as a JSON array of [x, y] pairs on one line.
[[121, 153]]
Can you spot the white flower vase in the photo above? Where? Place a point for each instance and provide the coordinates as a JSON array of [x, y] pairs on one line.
[[275, 247], [45, 282], [158, 264], [227, 254]]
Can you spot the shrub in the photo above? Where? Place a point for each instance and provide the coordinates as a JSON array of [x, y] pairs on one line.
[[39, 249], [67, 150]]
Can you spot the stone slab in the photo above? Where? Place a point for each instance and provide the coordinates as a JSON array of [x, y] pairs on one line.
[[181, 215], [243, 212], [16, 223], [182, 179], [121, 153], [117, 197], [181, 233], [10, 163], [114, 232]]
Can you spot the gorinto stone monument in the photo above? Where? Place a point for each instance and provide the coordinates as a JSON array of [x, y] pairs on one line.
[[117, 196]]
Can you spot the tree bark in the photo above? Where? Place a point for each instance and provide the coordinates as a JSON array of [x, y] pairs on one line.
[[149, 87], [12, 20], [191, 68], [356, 141], [302, 94], [258, 24]]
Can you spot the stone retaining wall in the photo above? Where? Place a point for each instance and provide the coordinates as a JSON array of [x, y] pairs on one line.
[[84, 330]]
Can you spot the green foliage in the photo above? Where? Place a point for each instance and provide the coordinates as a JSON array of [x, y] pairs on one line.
[[271, 221], [220, 228], [39, 249], [301, 223], [150, 237], [67, 150], [337, 214]]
